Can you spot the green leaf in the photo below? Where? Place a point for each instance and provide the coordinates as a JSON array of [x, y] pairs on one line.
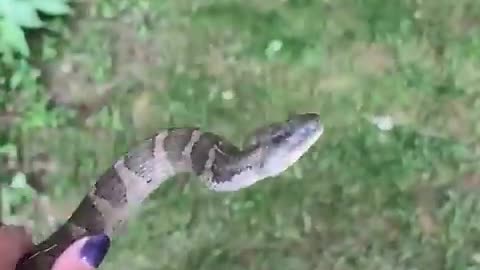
[[19, 181], [13, 36], [16, 79], [52, 7], [10, 149], [21, 12]]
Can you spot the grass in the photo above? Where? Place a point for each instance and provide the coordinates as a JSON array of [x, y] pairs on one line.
[[362, 198]]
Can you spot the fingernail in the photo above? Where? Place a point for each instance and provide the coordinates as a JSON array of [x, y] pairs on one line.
[[95, 249]]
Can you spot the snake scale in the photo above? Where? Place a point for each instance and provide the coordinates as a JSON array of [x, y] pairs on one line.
[[218, 163]]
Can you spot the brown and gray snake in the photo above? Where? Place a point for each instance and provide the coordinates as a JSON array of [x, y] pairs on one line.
[[218, 163]]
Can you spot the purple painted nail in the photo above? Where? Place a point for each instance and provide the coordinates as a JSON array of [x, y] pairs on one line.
[[95, 249]]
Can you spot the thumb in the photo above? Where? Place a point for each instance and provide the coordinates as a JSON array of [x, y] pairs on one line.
[[84, 254], [15, 241]]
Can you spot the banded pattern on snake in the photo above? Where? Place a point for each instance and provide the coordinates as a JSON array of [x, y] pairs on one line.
[[218, 163]]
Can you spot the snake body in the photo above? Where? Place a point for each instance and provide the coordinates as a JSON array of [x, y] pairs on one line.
[[218, 163]]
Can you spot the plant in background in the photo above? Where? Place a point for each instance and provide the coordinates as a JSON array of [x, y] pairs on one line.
[[17, 74], [18, 15]]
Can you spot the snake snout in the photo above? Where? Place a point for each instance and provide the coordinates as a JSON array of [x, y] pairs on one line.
[[305, 129], [309, 124]]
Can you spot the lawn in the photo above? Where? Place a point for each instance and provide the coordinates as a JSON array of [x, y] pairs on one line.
[[363, 198]]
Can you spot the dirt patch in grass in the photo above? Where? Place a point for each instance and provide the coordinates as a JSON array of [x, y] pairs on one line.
[[373, 59], [94, 68]]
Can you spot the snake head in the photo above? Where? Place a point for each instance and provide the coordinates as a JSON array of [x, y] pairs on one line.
[[268, 152], [280, 145]]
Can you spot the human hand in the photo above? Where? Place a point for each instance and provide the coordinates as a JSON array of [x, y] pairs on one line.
[[84, 254]]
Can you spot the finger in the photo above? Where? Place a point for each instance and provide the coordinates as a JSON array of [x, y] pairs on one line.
[[15, 242], [84, 254]]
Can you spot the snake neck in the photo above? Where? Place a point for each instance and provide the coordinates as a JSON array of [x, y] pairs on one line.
[[135, 176]]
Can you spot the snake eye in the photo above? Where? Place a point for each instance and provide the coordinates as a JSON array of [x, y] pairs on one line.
[[280, 135]]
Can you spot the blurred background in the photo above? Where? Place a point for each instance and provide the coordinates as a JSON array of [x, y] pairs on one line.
[[392, 183]]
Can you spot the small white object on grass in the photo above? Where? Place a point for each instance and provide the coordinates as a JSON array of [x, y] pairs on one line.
[[273, 47], [384, 123]]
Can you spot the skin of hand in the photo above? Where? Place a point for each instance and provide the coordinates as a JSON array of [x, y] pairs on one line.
[[84, 254]]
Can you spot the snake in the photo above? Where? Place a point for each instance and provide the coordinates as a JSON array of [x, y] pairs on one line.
[[218, 163]]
